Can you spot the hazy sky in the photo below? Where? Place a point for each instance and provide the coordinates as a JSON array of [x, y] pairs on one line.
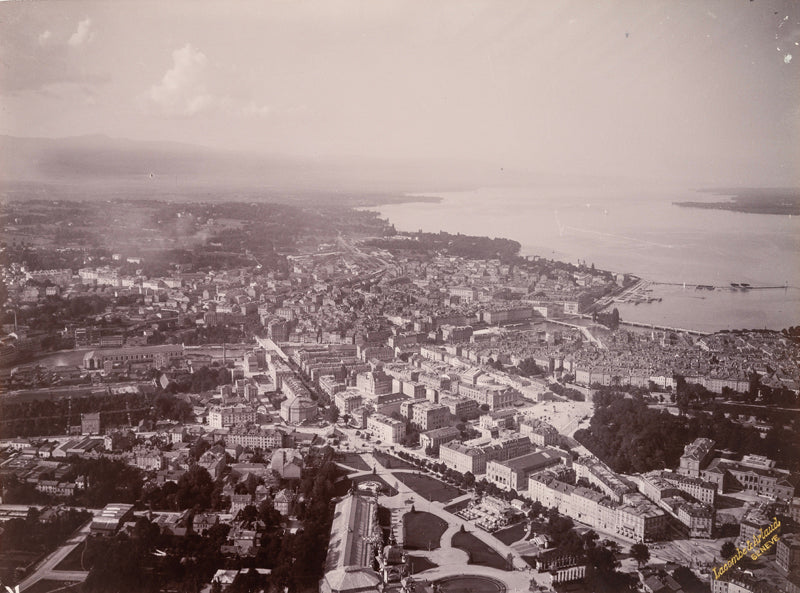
[[696, 92]]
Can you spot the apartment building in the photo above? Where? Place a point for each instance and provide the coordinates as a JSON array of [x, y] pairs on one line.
[[433, 439], [429, 416], [254, 437], [230, 415], [495, 396], [386, 429]]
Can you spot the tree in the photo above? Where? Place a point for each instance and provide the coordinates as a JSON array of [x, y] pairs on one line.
[[333, 414], [728, 550], [688, 580], [641, 553], [469, 479], [536, 509], [195, 488]]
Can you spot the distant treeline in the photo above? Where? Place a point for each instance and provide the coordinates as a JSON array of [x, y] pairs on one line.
[[458, 245]]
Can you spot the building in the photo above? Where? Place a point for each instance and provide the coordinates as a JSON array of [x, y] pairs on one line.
[[429, 416], [494, 396], [374, 383], [465, 294], [635, 518], [111, 518], [252, 436], [463, 458], [754, 474], [90, 423], [230, 415], [755, 520], [299, 409], [148, 459], [214, 461], [355, 539], [288, 463], [541, 433], [293, 387], [513, 473], [787, 553], [239, 502], [348, 400], [696, 456], [639, 519], [433, 439], [284, 502], [500, 419], [386, 429], [701, 490], [461, 408], [151, 356], [600, 475], [473, 457]]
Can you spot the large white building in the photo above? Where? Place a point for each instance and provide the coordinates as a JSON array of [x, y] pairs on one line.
[[230, 415], [254, 437], [635, 518], [429, 416], [386, 429]]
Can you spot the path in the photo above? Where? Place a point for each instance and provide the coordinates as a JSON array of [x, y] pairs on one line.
[[451, 561]]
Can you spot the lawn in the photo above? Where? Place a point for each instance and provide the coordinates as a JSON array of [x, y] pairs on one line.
[[429, 488], [473, 584], [479, 553], [512, 534], [392, 462], [354, 461], [420, 563], [422, 531]]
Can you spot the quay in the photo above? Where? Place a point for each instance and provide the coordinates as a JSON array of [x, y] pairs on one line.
[[693, 332]]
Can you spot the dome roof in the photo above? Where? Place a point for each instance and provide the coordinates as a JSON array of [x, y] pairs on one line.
[[299, 402]]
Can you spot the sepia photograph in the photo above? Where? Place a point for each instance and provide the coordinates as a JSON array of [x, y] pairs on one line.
[[385, 296]]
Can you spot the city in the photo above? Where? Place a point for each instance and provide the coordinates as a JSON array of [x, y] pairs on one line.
[[373, 409]]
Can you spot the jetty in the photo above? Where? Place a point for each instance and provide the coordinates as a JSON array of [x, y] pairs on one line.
[[733, 286]]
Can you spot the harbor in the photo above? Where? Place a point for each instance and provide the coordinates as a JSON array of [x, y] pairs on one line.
[[645, 291]]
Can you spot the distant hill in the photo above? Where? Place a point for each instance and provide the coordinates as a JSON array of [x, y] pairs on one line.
[[89, 163]]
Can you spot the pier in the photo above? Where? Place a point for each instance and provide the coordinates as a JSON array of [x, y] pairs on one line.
[[732, 286]]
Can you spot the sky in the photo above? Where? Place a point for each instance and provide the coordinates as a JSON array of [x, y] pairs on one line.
[[695, 92]]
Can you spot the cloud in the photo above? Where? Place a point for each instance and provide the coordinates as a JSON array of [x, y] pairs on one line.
[[35, 59], [83, 34], [182, 90]]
